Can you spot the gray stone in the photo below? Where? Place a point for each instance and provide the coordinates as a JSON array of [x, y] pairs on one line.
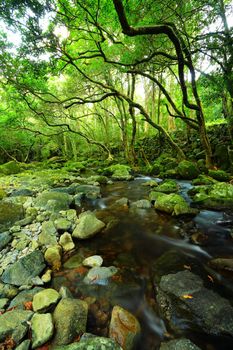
[[14, 324], [141, 204], [93, 261], [70, 318], [22, 271], [94, 343], [48, 234], [88, 225], [179, 344], [183, 295], [45, 299], [99, 275], [5, 238], [24, 296], [42, 329]]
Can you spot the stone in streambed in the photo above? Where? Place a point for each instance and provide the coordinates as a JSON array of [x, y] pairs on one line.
[[167, 186], [70, 318], [92, 343], [179, 344], [14, 324], [23, 297], [88, 225], [48, 234], [54, 201], [93, 261], [183, 293], [25, 269], [100, 275], [5, 238], [7, 291], [124, 328], [3, 303], [10, 213], [141, 204], [45, 299], [62, 224], [47, 276], [66, 242], [188, 170], [174, 204], [53, 257], [24, 345], [42, 329]]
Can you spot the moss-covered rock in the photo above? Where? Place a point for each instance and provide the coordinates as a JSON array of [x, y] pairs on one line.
[[167, 186], [218, 196], [9, 168], [118, 172], [75, 166], [10, 213], [203, 180], [3, 194], [173, 204], [219, 175], [188, 170]]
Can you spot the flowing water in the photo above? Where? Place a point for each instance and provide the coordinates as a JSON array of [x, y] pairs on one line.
[[133, 241]]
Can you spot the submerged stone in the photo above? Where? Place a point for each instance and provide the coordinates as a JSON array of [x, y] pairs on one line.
[[99, 275], [179, 344], [10, 213], [14, 324], [93, 343], [93, 261]]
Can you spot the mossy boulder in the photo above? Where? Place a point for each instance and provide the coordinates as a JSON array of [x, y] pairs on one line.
[[167, 186], [218, 196], [219, 175], [10, 168], [203, 180], [75, 166], [173, 204], [188, 170], [10, 213], [118, 172], [3, 194], [53, 201]]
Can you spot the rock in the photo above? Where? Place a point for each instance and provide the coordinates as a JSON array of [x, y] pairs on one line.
[[10, 168], [141, 204], [93, 343], [42, 329], [14, 324], [54, 201], [48, 234], [3, 303], [24, 345], [222, 263], [65, 293], [167, 186], [45, 299], [187, 170], [7, 291], [151, 183], [93, 261], [122, 202], [47, 276], [23, 297], [10, 213], [22, 271], [74, 261], [98, 178], [219, 175], [53, 257], [62, 224], [88, 225], [99, 275], [70, 318], [5, 238], [119, 172], [88, 191], [203, 180], [124, 328], [3, 194], [66, 242], [174, 204], [179, 344], [22, 192], [182, 295], [218, 196]]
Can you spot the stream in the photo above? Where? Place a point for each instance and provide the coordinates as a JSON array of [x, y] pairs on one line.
[[134, 241]]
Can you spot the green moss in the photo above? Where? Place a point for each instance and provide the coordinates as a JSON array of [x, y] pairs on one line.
[[168, 186], [219, 175], [203, 180], [9, 168], [173, 204], [188, 170]]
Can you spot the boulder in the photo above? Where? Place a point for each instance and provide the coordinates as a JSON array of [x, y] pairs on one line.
[[88, 191], [24, 345], [53, 201], [53, 256], [174, 204], [219, 175], [66, 242], [45, 299], [10, 168], [118, 172], [203, 180], [93, 261], [70, 318], [48, 233], [95, 343], [167, 186], [7, 291], [25, 269], [42, 329], [62, 224], [5, 238], [124, 328], [10, 213], [14, 324], [183, 296], [23, 297], [141, 204], [88, 225], [187, 170]]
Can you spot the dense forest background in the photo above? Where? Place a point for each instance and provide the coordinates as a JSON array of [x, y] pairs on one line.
[[116, 78]]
